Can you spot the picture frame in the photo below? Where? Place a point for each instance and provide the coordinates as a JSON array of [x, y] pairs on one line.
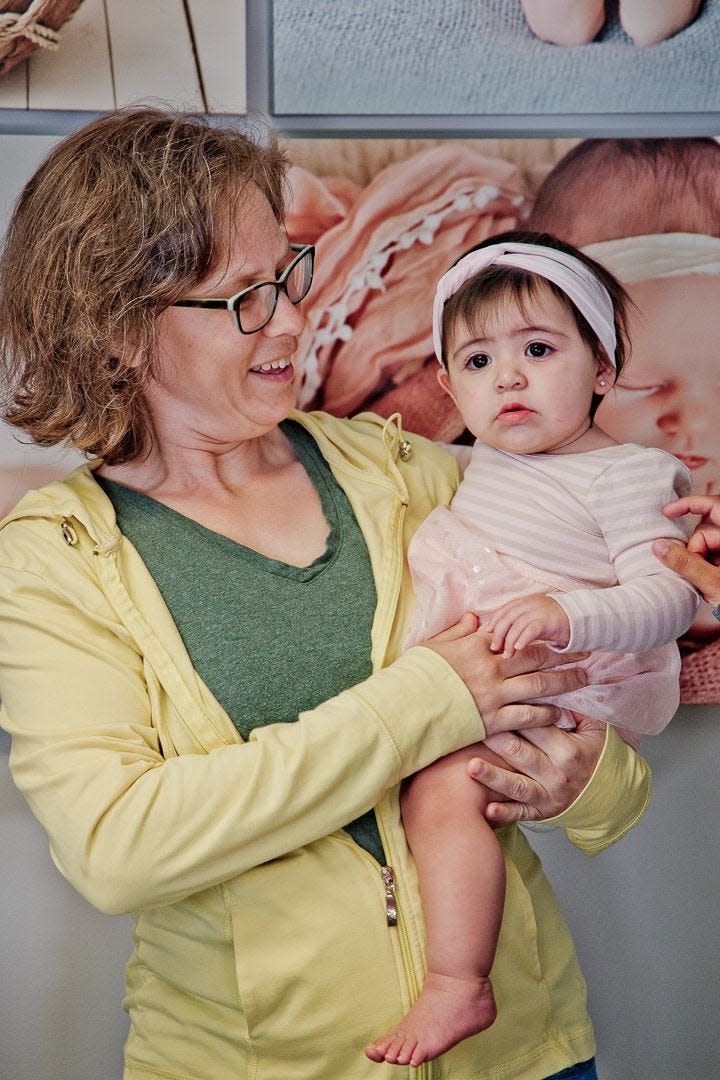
[[312, 77]]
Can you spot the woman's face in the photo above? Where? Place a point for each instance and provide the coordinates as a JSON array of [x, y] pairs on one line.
[[213, 386], [669, 394]]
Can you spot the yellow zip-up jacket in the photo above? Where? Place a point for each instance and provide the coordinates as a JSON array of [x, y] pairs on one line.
[[262, 949]]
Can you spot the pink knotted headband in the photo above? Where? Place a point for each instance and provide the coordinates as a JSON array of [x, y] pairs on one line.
[[576, 280]]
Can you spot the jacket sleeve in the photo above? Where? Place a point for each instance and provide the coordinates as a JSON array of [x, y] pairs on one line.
[[131, 829], [613, 800]]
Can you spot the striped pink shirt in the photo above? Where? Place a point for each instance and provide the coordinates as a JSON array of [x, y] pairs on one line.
[[591, 518]]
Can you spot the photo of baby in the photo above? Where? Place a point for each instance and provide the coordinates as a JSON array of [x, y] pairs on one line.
[[647, 209], [579, 23]]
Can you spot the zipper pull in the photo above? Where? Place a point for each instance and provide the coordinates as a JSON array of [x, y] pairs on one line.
[[388, 876]]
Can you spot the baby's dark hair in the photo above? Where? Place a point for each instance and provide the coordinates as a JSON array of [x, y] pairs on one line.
[[607, 188], [481, 296]]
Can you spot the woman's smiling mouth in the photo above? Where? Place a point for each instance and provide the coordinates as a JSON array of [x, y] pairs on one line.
[[278, 369]]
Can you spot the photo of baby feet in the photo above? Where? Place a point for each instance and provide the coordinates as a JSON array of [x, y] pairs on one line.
[[578, 22]]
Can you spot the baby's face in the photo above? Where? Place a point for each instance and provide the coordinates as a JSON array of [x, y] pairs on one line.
[[669, 393], [523, 380]]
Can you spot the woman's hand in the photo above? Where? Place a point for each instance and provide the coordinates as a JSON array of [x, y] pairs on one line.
[[502, 687], [547, 769], [697, 562]]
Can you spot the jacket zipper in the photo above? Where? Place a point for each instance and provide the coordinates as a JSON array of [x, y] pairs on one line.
[[388, 876], [393, 911]]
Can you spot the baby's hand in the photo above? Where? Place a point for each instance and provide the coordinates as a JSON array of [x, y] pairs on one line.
[[531, 618]]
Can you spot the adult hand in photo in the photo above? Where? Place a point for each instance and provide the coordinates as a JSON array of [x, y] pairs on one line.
[[698, 561]]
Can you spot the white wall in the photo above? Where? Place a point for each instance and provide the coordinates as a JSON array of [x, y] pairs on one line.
[[646, 915], [22, 466]]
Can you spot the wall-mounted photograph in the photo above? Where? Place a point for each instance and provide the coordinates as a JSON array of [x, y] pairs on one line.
[[500, 59], [389, 216]]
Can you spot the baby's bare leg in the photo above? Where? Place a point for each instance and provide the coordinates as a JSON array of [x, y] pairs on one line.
[[565, 22], [650, 21], [462, 886]]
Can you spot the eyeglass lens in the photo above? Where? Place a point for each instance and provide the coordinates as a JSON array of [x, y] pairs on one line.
[[256, 307]]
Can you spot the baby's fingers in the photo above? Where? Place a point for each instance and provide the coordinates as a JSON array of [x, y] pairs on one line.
[[522, 633], [498, 625]]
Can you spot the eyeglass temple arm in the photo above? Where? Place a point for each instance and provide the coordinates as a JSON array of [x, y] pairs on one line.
[[204, 302]]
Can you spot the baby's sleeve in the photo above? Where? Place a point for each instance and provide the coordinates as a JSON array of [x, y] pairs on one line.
[[650, 605]]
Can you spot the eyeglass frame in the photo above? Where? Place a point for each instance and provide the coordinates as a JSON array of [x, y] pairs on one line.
[[232, 303]]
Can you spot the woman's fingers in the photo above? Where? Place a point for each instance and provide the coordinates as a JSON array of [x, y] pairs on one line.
[[694, 568], [502, 687], [519, 717], [539, 657], [547, 770], [466, 624]]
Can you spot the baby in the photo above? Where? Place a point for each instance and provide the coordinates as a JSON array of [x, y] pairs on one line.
[[579, 21], [548, 538]]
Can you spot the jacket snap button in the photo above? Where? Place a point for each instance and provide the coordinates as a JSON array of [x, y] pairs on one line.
[[69, 534]]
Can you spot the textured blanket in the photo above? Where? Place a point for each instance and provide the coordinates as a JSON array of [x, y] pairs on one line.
[[479, 57]]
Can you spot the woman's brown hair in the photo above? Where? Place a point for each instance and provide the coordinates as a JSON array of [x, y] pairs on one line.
[[118, 223]]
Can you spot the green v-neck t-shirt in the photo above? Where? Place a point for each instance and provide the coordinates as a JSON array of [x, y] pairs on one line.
[[269, 639]]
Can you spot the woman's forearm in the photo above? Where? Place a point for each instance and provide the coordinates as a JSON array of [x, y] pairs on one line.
[[133, 828]]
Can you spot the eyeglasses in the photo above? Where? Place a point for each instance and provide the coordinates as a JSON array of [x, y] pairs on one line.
[[254, 307]]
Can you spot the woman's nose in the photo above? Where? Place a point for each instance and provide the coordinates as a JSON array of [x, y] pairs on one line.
[[288, 318]]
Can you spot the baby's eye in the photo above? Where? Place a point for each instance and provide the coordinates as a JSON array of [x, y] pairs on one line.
[[538, 349], [478, 361]]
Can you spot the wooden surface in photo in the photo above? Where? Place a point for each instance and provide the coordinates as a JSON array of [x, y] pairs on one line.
[[121, 52], [27, 23]]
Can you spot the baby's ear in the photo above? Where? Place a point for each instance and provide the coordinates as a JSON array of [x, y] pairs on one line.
[[604, 379], [444, 380]]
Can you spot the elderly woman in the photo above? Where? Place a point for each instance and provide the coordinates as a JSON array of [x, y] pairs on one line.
[[200, 634]]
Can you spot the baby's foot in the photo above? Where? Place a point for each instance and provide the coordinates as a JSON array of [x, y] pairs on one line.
[[448, 1010], [649, 21], [565, 23]]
